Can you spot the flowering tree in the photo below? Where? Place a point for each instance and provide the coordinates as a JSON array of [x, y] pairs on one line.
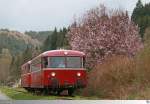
[[100, 33]]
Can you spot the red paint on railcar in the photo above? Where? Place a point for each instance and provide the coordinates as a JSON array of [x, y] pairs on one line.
[[69, 77], [25, 75]]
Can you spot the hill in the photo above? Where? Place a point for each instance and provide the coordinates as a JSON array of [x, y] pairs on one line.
[[41, 35], [16, 42], [14, 49]]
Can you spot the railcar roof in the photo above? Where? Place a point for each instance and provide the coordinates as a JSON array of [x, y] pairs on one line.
[[63, 53], [26, 63], [59, 53]]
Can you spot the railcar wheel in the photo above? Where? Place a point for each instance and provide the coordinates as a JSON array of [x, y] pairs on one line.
[[32, 91], [70, 91], [28, 90], [38, 91], [46, 91], [59, 92]]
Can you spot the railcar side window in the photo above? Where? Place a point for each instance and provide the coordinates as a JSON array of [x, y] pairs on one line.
[[45, 62], [28, 68], [57, 62], [36, 65], [74, 62]]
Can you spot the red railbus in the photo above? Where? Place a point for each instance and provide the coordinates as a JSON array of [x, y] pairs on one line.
[[55, 71], [26, 75]]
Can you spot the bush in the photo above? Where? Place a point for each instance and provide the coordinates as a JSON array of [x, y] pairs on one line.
[[120, 77]]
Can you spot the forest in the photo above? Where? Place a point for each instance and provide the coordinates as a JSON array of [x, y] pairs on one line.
[[117, 48]]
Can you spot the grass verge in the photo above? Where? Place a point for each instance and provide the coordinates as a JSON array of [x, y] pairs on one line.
[[22, 94]]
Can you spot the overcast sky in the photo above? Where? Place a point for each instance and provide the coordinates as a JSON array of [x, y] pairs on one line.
[[39, 15]]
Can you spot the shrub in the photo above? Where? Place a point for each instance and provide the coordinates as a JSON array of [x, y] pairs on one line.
[[120, 77]]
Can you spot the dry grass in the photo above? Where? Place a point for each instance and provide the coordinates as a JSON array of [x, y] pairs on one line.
[[121, 77]]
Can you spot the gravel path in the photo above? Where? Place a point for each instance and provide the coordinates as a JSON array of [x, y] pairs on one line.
[[3, 96]]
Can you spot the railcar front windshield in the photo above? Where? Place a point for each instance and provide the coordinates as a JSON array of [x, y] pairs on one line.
[[65, 62], [57, 62]]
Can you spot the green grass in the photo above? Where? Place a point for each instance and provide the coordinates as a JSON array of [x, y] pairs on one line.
[[21, 94]]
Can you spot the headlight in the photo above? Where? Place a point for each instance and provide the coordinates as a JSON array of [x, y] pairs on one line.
[[53, 74], [78, 74]]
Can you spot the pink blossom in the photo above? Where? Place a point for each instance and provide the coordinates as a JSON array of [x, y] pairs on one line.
[[100, 34]]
